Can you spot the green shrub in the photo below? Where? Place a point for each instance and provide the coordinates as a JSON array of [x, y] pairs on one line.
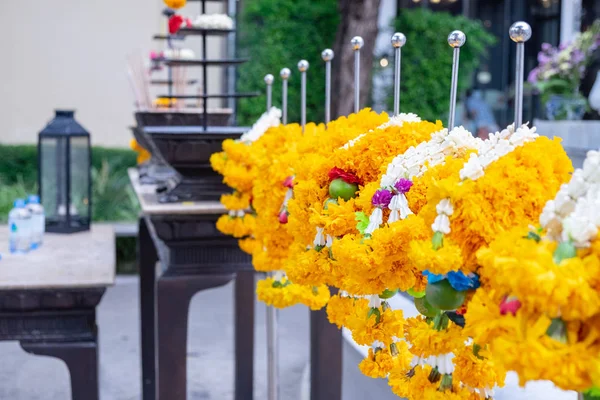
[[427, 59], [112, 196], [277, 34]]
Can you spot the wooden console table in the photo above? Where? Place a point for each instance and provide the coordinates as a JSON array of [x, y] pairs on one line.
[[191, 255], [48, 300]]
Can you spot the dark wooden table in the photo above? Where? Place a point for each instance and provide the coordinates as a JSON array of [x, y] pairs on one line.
[[48, 300], [194, 256], [181, 252]]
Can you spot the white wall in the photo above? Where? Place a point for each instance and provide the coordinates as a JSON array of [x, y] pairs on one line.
[[72, 54]]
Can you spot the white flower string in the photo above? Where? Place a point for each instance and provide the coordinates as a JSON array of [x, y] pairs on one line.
[[496, 146], [413, 163], [213, 21], [397, 120], [269, 119]]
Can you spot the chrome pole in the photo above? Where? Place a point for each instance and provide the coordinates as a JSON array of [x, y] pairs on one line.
[[303, 67], [398, 40], [269, 81], [272, 354], [327, 55], [285, 75], [519, 32], [357, 43], [456, 39]]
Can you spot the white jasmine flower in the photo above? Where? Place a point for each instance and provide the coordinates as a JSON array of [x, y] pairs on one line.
[[375, 220], [374, 301], [548, 214], [563, 204], [319, 238], [278, 275], [578, 229], [444, 207], [441, 224], [269, 119], [329, 241], [472, 169], [577, 187]]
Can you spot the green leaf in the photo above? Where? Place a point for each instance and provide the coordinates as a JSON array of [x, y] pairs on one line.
[[376, 312], [363, 221]]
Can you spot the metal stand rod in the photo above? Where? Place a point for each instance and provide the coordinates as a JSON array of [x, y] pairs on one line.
[[285, 75], [357, 43], [327, 55], [269, 81], [303, 67], [519, 85], [519, 32], [455, 39], [272, 354], [397, 81], [398, 40], [453, 88]]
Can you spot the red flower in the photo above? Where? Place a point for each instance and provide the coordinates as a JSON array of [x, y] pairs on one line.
[[283, 217], [175, 23], [462, 310], [509, 305], [338, 173], [289, 182]]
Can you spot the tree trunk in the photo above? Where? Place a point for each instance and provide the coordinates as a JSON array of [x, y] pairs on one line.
[[358, 18]]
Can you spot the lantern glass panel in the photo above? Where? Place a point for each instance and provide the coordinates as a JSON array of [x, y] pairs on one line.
[[53, 160], [80, 180]]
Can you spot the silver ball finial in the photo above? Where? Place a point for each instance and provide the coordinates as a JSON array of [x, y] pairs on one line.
[[269, 79], [285, 73], [398, 40], [357, 42], [457, 38], [303, 65], [520, 32], [327, 55]]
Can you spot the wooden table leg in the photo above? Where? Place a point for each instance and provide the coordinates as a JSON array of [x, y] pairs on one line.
[[325, 358], [81, 359], [173, 300], [147, 258], [244, 335]]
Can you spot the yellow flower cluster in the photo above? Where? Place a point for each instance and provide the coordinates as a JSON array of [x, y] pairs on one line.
[[512, 192], [283, 293], [552, 330], [363, 157]]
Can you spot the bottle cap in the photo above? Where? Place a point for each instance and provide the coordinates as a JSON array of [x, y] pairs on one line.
[[19, 203], [33, 199]]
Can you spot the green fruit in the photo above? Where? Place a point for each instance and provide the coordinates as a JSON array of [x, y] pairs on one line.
[[388, 294], [443, 296], [425, 308], [340, 188], [414, 293]]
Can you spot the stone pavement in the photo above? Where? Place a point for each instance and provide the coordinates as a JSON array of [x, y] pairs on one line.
[[210, 351]]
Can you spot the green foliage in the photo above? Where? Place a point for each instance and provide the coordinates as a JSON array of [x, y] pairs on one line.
[[427, 59], [112, 196], [277, 34]]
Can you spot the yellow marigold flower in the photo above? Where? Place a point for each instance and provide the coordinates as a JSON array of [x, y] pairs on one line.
[[236, 201], [422, 255], [314, 297], [175, 3], [367, 328], [238, 227], [427, 341], [339, 308], [248, 245], [477, 372], [377, 364], [309, 267], [218, 162], [279, 297]]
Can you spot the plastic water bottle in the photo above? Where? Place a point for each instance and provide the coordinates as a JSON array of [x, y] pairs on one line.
[[19, 222], [38, 221]]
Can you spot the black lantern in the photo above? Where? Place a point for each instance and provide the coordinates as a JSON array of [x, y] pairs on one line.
[[64, 178]]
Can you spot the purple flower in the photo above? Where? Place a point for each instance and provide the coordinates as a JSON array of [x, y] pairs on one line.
[[532, 77], [403, 185], [546, 46], [381, 198], [543, 58]]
